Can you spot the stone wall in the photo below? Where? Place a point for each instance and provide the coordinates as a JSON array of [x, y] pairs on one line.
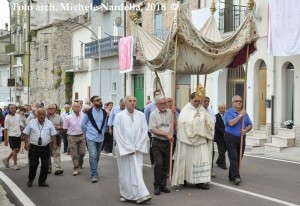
[[44, 75]]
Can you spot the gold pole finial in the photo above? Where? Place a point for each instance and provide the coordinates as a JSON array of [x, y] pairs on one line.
[[251, 4], [213, 7], [200, 92], [134, 17]]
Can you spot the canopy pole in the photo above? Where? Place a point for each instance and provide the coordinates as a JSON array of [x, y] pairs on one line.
[[159, 82], [244, 107], [174, 105], [205, 78]]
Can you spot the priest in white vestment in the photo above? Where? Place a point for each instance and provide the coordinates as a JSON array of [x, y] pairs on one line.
[[130, 134], [193, 153]]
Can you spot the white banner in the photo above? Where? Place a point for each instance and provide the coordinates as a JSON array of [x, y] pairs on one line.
[[284, 27]]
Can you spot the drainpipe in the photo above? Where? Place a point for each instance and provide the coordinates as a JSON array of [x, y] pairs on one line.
[[125, 25], [273, 96]]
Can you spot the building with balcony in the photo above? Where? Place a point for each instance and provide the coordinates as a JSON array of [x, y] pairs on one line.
[[79, 64], [271, 81], [18, 50], [109, 26]]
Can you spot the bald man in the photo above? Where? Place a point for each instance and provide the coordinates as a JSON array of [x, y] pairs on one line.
[[219, 136], [37, 135]]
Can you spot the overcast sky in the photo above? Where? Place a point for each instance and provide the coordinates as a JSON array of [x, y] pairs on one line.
[[4, 13]]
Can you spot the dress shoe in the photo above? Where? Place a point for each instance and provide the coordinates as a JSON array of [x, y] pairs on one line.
[[203, 186], [237, 181], [58, 172], [165, 190], [222, 166], [29, 183], [49, 172], [157, 191], [43, 184]]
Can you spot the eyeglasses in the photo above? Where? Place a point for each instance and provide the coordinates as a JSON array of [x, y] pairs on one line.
[[162, 103], [238, 101], [97, 100]]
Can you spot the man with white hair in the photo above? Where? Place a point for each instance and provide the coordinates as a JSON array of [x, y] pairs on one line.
[[130, 133], [160, 125]]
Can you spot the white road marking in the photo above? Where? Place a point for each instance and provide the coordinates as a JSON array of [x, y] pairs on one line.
[[269, 158], [255, 194], [16, 190]]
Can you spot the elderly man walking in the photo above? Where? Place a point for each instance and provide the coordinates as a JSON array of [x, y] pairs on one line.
[[130, 133], [160, 125], [234, 132], [57, 123], [92, 126], [38, 133], [76, 139]]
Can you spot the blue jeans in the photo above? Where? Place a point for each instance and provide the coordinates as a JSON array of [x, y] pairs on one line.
[[94, 156]]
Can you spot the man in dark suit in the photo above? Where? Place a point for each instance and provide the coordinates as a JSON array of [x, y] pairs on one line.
[[219, 136]]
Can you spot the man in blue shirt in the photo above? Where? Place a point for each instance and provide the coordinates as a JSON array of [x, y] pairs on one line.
[[92, 126], [113, 114], [233, 133]]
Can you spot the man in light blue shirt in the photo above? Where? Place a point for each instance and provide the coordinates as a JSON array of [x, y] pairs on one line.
[[92, 126], [113, 114]]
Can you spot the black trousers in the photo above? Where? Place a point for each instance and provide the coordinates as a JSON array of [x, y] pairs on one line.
[[221, 150], [35, 153], [65, 139], [107, 143], [233, 149], [161, 154]]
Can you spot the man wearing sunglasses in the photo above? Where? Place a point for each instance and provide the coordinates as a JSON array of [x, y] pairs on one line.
[[57, 123], [233, 134]]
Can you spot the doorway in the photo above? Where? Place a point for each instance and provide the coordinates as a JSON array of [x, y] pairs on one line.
[[138, 82], [262, 73]]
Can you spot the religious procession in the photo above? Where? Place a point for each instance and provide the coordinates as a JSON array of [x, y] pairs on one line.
[[180, 141]]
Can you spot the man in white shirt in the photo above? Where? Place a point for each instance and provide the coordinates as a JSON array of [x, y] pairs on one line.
[[12, 134], [38, 133]]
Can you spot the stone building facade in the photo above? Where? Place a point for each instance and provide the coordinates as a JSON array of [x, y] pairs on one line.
[[50, 54]]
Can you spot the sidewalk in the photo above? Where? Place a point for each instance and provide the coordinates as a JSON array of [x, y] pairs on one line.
[[289, 154]]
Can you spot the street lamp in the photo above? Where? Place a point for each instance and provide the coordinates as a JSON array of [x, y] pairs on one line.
[[98, 45]]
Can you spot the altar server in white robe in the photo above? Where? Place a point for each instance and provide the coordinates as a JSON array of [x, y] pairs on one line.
[[130, 134]]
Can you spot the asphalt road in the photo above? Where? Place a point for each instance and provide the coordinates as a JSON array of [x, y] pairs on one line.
[[266, 183]]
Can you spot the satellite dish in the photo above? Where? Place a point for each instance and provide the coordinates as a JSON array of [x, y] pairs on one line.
[[118, 21]]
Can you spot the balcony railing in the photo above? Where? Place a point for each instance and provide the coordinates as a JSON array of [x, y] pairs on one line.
[[108, 45], [77, 64], [162, 33], [231, 18]]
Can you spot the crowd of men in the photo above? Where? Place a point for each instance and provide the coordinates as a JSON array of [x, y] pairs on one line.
[[181, 142]]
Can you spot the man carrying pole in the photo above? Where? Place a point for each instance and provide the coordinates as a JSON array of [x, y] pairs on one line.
[[234, 132]]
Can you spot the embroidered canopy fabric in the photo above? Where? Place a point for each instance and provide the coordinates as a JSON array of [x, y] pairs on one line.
[[198, 52]]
